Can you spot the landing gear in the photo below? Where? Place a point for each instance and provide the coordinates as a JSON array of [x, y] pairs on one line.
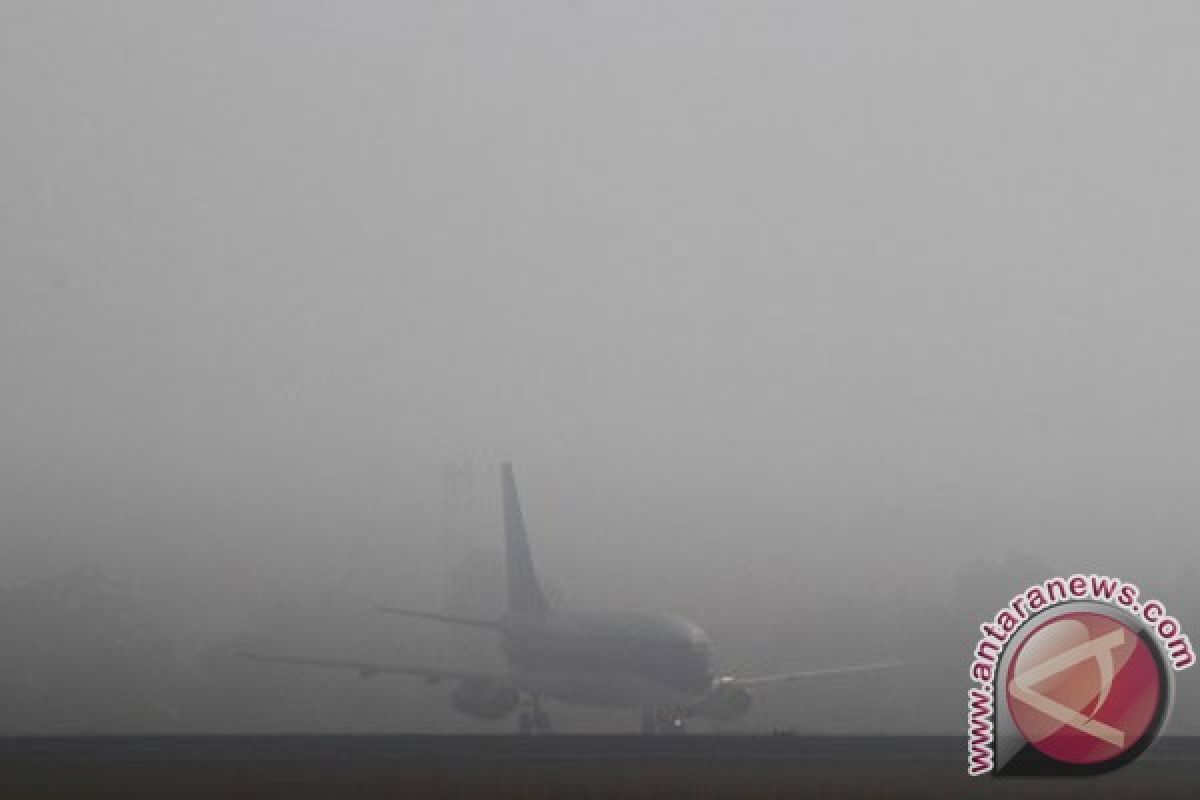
[[663, 720], [535, 720]]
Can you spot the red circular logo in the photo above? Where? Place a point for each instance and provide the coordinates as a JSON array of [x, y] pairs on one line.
[[1084, 688]]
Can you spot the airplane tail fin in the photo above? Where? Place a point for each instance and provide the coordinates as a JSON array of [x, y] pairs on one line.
[[524, 593]]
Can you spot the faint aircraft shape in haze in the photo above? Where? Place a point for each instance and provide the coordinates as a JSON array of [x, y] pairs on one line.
[[658, 664]]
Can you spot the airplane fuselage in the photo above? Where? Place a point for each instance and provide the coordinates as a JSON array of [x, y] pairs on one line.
[[611, 659]]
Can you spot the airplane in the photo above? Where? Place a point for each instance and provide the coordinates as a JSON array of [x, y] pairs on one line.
[[655, 663]]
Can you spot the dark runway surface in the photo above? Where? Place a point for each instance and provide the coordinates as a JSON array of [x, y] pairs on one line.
[[552, 766]]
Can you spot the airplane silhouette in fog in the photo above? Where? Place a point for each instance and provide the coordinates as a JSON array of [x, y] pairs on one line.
[[658, 664]]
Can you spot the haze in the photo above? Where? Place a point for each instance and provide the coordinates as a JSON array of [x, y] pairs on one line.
[[828, 325]]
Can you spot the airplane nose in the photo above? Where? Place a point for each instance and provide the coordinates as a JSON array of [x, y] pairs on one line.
[[702, 673], [682, 667], [696, 674]]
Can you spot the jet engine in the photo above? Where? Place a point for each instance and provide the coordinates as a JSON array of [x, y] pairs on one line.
[[725, 702], [484, 698]]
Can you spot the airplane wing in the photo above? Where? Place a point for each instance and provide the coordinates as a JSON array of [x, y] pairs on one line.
[[788, 677], [365, 669], [473, 623]]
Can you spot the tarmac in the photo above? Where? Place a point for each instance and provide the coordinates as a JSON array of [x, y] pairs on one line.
[[574, 766]]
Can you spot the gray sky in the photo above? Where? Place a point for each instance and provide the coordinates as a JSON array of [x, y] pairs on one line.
[[761, 298]]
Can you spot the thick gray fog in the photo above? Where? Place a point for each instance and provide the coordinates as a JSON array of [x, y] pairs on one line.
[[828, 325]]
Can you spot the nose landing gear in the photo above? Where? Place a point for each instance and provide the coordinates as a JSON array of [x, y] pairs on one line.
[[663, 720], [534, 720]]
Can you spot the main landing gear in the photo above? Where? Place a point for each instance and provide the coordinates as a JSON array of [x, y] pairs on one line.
[[534, 720]]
